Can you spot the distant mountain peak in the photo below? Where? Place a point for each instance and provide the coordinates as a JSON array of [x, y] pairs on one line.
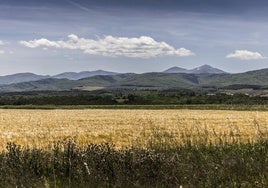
[[204, 69], [176, 70], [205, 66]]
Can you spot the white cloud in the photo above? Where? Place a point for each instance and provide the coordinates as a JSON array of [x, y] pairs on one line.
[[2, 52], [245, 55], [142, 47], [40, 42], [2, 42]]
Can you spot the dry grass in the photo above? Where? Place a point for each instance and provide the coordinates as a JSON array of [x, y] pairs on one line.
[[41, 128]]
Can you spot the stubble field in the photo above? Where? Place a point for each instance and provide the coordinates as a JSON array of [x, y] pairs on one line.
[[124, 128]]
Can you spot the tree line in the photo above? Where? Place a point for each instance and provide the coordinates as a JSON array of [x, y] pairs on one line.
[[135, 98]]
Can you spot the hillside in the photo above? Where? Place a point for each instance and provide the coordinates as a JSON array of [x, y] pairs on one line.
[[257, 77], [160, 80], [53, 84]]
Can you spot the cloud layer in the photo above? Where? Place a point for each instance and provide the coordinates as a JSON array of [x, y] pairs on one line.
[[142, 47], [245, 55], [1, 44]]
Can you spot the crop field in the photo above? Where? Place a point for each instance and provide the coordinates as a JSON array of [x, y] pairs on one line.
[[135, 148], [123, 128]]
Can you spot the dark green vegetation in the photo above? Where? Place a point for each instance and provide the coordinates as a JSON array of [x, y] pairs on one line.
[[129, 97], [253, 81], [190, 165], [143, 107]]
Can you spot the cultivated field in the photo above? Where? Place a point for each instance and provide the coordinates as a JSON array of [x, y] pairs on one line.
[[42, 128]]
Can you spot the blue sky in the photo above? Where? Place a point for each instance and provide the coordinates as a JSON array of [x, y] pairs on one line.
[[50, 37]]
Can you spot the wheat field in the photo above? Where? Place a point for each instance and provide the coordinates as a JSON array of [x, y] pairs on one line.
[[123, 128]]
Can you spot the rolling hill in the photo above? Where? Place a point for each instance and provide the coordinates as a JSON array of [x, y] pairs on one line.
[[257, 77]]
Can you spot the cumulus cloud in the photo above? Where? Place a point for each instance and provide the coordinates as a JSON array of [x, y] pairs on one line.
[[2, 52], [2, 42], [245, 55], [142, 47]]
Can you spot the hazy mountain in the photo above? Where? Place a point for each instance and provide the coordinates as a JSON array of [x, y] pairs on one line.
[[204, 69], [84, 74], [176, 70], [20, 77]]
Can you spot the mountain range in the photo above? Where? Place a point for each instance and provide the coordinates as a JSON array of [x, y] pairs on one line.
[[21, 77], [199, 78], [27, 77]]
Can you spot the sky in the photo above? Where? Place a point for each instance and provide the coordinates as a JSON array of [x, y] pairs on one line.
[[55, 36]]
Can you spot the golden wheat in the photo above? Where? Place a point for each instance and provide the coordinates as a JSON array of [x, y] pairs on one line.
[[41, 128]]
